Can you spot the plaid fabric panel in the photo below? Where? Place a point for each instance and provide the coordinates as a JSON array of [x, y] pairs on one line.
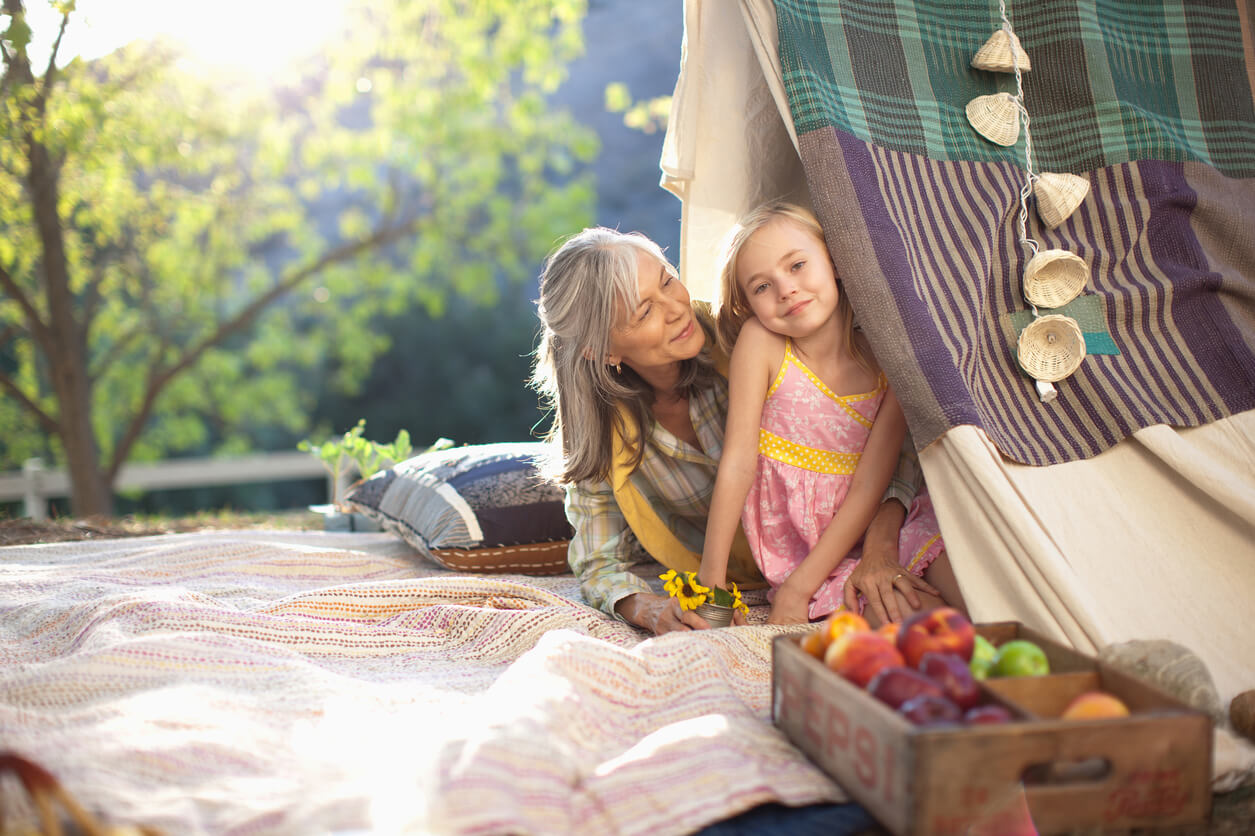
[[1112, 81]]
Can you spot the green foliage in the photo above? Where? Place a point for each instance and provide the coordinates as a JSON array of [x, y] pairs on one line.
[[367, 457], [647, 115], [223, 245]]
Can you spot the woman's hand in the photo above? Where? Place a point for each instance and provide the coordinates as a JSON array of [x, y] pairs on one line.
[[789, 607], [658, 614], [877, 579], [878, 574]]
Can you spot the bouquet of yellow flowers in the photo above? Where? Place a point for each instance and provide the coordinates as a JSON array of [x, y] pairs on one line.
[[684, 585]]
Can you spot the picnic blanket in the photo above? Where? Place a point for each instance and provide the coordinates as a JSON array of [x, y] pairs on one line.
[[305, 682]]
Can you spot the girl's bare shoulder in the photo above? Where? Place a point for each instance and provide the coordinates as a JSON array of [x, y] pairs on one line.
[[758, 349], [757, 340]]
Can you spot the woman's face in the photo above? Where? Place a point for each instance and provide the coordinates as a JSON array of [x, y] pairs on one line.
[[662, 330]]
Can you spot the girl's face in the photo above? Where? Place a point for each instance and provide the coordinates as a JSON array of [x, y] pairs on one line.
[[788, 280], [663, 329]]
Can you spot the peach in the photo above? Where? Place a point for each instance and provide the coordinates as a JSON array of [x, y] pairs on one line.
[[859, 656], [890, 630], [944, 629], [1093, 705], [815, 642], [841, 622]]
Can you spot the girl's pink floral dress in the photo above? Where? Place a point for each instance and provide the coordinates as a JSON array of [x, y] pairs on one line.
[[808, 447]]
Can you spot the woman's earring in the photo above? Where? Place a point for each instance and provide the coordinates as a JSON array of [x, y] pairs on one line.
[[618, 369]]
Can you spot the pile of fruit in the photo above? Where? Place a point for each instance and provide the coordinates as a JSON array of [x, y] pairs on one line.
[[929, 667]]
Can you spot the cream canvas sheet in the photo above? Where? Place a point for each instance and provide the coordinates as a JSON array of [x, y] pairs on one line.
[[302, 682]]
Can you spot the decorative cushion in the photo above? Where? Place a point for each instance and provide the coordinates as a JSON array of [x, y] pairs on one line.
[[476, 508]]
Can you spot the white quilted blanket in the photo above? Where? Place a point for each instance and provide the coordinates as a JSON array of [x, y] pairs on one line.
[[302, 682]]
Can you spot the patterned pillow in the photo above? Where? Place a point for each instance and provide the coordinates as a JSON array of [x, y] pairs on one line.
[[477, 508]]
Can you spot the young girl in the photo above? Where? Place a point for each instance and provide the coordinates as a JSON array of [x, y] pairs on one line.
[[813, 431]]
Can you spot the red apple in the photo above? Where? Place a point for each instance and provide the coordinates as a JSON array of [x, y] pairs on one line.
[[860, 656], [988, 714], [954, 677], [894, 686], [931, 710], [944, 629]]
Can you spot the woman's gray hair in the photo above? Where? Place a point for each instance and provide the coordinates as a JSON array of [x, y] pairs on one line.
[[587, 284]]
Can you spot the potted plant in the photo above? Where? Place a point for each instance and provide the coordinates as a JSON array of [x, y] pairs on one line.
[[715, 604], [348, 454]]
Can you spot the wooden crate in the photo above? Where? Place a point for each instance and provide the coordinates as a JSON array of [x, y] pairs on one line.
[[1150, 769]]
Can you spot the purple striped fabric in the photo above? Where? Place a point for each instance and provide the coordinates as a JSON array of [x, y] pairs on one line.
[[929, 251]]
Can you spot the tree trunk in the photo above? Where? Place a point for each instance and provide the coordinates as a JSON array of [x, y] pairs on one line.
[[90, 491]]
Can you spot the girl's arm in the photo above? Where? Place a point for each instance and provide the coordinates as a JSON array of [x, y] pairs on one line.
[[871, 477], [749, 376]]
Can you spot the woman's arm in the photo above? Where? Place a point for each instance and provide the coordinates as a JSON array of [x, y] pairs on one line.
[[601, 547], [600, 555], [861, 504], [749, 376]]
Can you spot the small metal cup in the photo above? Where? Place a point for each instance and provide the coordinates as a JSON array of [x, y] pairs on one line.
[[716, 615]]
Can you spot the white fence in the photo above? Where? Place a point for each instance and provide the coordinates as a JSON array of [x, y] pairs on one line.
[[35, 486]]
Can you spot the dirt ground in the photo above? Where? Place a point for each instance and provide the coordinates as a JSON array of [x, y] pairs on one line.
[[1233, 814], [22, 531]]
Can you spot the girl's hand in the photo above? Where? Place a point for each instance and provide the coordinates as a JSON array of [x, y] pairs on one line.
[[876, 580], [789, 607]]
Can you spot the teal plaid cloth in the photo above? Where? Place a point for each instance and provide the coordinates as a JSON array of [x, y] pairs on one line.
[[1112, 81]]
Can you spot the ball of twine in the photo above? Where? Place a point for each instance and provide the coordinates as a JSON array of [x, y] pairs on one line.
[[1051, 347]]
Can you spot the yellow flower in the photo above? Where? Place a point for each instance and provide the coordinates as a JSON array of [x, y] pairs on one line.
[[691, 593], [671, 582]]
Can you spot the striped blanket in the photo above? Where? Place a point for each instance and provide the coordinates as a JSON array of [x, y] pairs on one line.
[[304, 682], [1150, 102]]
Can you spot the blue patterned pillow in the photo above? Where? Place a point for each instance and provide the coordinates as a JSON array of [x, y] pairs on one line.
[[478, 508]]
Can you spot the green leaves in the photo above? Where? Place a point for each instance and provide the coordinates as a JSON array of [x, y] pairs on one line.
[[18, 33], [368, 457], [229, 252]]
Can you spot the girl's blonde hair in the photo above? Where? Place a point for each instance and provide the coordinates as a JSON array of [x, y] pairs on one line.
[[733, 308], [585, 285]]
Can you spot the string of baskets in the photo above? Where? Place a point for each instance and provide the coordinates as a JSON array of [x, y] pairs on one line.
[[1052, 346]]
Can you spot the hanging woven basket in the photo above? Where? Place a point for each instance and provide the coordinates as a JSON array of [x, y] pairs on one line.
[[996, 117], [1051, 347], [1053, 278], [1058, 196], [1001, 53]]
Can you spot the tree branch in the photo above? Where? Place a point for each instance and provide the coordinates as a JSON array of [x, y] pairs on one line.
[[49, 424], [51, 72], [38, 328], [158, 380], [115, 351]]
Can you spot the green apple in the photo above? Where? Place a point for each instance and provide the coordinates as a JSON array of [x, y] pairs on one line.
[[983, 653], [1020, 657]]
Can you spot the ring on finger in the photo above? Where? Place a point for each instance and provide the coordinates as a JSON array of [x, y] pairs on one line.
[[899, 575]]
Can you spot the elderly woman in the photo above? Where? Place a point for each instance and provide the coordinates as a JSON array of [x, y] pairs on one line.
[[628, 362]]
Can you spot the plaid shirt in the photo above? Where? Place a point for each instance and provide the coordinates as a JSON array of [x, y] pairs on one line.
[[678, 481]]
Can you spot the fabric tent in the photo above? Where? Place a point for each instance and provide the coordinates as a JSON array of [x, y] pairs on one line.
[[1125, 508]]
